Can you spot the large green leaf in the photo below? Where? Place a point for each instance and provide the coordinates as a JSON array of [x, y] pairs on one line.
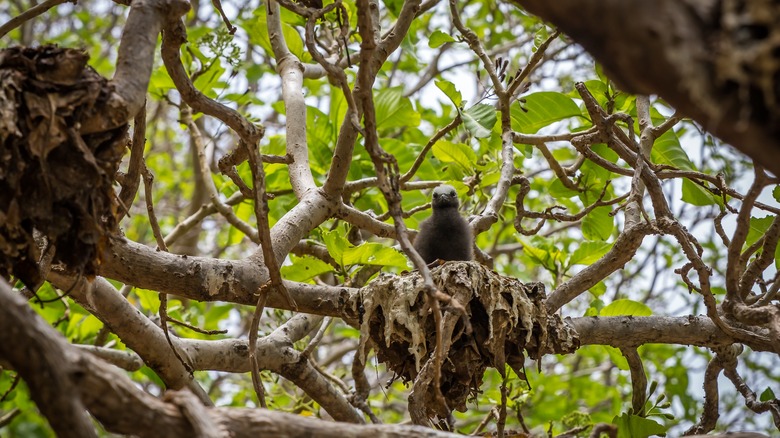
[[149, 300], [321, 139], [625, 308], [544, 252], [439, 38], [598, 224], [338, 108], [372, 253], [542, 109], [336, 244], [758, 227], [667, 150], [305, 268], [369, 253], [616, 357], [458, 153], [393, 110], [452, 93], [634, 426], [588, 252], [257, 31], [479, 120], [694, 194]]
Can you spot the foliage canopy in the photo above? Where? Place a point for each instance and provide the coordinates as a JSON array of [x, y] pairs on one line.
[[636, 221]]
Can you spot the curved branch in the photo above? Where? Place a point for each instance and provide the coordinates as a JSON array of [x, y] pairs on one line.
[[626, 245], [638, 380], [276, 352], [118, 403], [174, 35], [29, 14], [136, 331], [45, 363], [131, 180], [134, 62]]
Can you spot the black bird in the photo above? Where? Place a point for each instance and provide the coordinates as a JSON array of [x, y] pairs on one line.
[[446, 235]]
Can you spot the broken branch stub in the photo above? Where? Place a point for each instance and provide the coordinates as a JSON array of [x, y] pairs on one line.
[[508, 318]]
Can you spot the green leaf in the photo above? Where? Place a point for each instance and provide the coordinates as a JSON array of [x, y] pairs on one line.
[[616, 357], [372, 253], [393, 110], [557, 190], [160, 82], [305, 268], [321, 137], [90, 326], [694, 194], [625, 307], [598, 224], [767, 395], [777, 258], [758, 227], [449, 89], [215, 314], [598, 89], [543, 252], [776, 193], [479, 120], [336, 244], [210, 79], [338, 107], [634, 426], [458, 153], [438, 39], [257, 30], [598, 290], [539, 37], [394, 6], [667, 150], [542, 109], [588, 252], [369, 253], [150, 300]]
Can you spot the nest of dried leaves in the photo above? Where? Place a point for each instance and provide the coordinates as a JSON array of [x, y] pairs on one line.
[[507, 319], [54, 181]]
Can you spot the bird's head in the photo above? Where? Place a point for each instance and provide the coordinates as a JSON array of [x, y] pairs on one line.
[[445, 196]]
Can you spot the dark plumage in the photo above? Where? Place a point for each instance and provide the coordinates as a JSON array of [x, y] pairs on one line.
[[445, 235]]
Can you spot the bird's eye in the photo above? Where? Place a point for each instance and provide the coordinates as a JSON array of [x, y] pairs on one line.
[[452, 193], [435, 195]]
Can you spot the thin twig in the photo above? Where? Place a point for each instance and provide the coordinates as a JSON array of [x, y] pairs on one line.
[[30, 14], [131, 179], [218, 6]]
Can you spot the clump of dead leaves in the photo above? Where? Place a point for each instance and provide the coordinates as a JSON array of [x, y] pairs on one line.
[[507, 319], [55, 183]]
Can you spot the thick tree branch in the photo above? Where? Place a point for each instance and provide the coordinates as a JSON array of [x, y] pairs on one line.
[[45, 362], [209, 279], [70, 380], [134, 63], [624, 249], [291, 72]]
